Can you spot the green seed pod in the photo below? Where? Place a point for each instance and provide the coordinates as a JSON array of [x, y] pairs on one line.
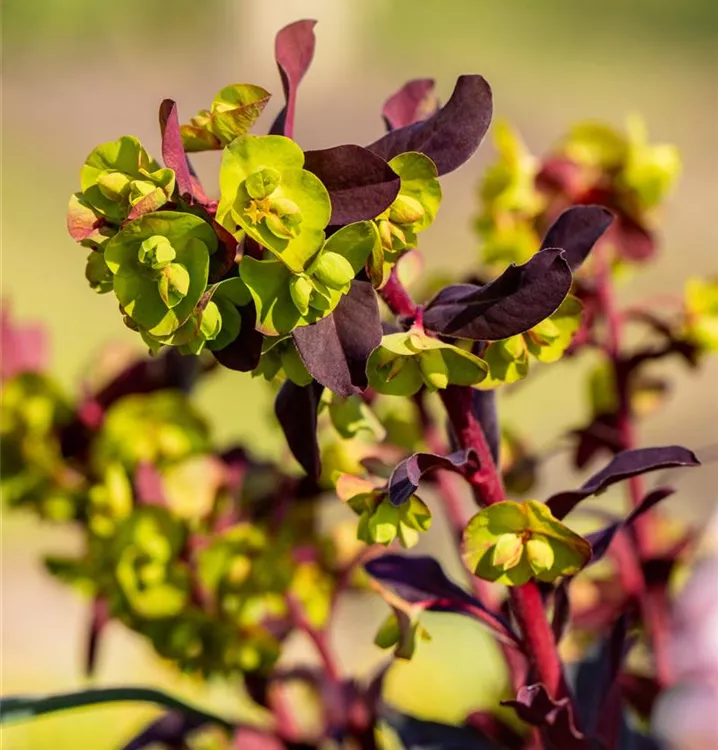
[[433, 369], [301, 289], [406, 210], [284, 219], [540, 554], [173, 284], [156, 252], [507, 551], [334, 270], [211, 322], [115, 186], [262, 183]]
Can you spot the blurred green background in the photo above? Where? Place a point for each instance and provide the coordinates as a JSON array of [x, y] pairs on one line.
[[80, 72]]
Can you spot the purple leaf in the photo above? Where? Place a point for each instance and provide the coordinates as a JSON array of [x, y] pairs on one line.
[[450, 136], [622, 466], [243, 354], [404, 480], [335, 349], [576, 231], [361, 184], [517, 300], [561, 609], [484, 408], [535, 706], [421, 734], [169, 730], [296, 409], [174, 155], [601, 540], [420, 580], [413, 102], [293, 50]]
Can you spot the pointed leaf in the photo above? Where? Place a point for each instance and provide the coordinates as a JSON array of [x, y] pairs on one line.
[[516, 301], [413, 102], [296, 409], [335, 350], [361, 184], [174, 155], [450, 136], [293, 50], [405, 478], [622, 466], [576, 231]]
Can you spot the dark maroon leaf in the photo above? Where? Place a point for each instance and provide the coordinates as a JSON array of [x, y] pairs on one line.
[[335, 349], [420, 734], [174, 155], [535, 706], [490, 726], [413, 102], [293, 50], [623, 466], [634, 241], [484, 408], [243, 354], [450, 136], [361, 184], [170, 731], [601, 540], [421, 580], [517, 300], [296, 409], [99, 617], [576, 231], [602, 434], [561, 609], [23, 348], [404, 480]]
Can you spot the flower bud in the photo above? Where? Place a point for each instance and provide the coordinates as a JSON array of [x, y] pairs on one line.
[[262, 183], [334, 270], [433, 369], [156, 252], [114, 185], [211, 322], [540, 554], [173, 284], [507, 551], [406, 210], [300, 289], [284, 219]]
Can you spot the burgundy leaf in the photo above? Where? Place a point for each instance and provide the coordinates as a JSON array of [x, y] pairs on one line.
[[623, 466], [174, 155], [99, 617], [421, 580], [404, 480], [535, 706], [601, 540], [517, 300], [561, 609], [293, 50], [576, 231], [633, 240], [170, 731], [296, 409], [243, 354], [484, 408], [422, 734], [450, 136], [493, 728], [414, 102], [335, 349], [23, 348], [361, 184], [602, 434]]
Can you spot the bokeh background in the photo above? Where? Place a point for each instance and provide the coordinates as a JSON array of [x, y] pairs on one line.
[[80, 72]]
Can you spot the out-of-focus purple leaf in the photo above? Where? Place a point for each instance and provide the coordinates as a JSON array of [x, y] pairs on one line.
[[404, 480], [414, 102], [419, 734], [23, 348], [601, 540], [493, 728], [170, 731], [534, 705], [421, 580], [450, 136], [99, 617], [335, 350], [484, 408], [601, 435], [517, 300], [293, 50], [622, 466], [561, 609], [296, 409], [174, 155], [361, 184], [633, 240], [576, 231], [243, 354]]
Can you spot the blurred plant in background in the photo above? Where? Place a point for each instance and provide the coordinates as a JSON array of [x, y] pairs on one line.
[[217, 558]]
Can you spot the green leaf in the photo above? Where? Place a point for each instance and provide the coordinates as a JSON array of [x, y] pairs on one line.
[[268, 283], [136, 285], [420, 183], [511, 543], [507, 361], [352, 416], [549, 339]]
